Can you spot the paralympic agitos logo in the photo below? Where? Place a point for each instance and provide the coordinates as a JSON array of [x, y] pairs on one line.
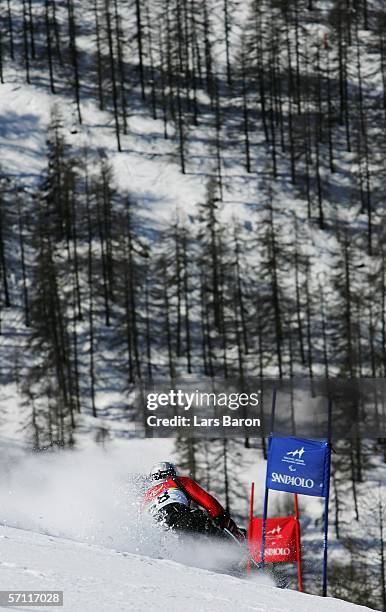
[[294, 458]]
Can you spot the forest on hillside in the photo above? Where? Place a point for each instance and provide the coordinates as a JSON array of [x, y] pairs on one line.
[[297, 289], [284, 99]]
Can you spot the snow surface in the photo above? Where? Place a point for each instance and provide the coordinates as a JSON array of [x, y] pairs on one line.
[[96, 579], [147, 167]]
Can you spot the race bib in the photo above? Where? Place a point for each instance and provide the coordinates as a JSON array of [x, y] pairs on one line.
[[162, 495]]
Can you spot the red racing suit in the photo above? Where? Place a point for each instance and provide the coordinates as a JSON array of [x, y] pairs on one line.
[[181, 490]]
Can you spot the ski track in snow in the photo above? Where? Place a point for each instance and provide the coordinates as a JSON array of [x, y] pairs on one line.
[[96, 579]]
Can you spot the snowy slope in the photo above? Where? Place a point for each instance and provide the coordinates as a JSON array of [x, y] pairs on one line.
[[147, 166], [97, 579]]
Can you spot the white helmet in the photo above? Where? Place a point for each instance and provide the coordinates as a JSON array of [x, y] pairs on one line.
[[162, 471]]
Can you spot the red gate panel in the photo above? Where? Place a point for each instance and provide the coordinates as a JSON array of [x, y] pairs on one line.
[[280, 539]]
